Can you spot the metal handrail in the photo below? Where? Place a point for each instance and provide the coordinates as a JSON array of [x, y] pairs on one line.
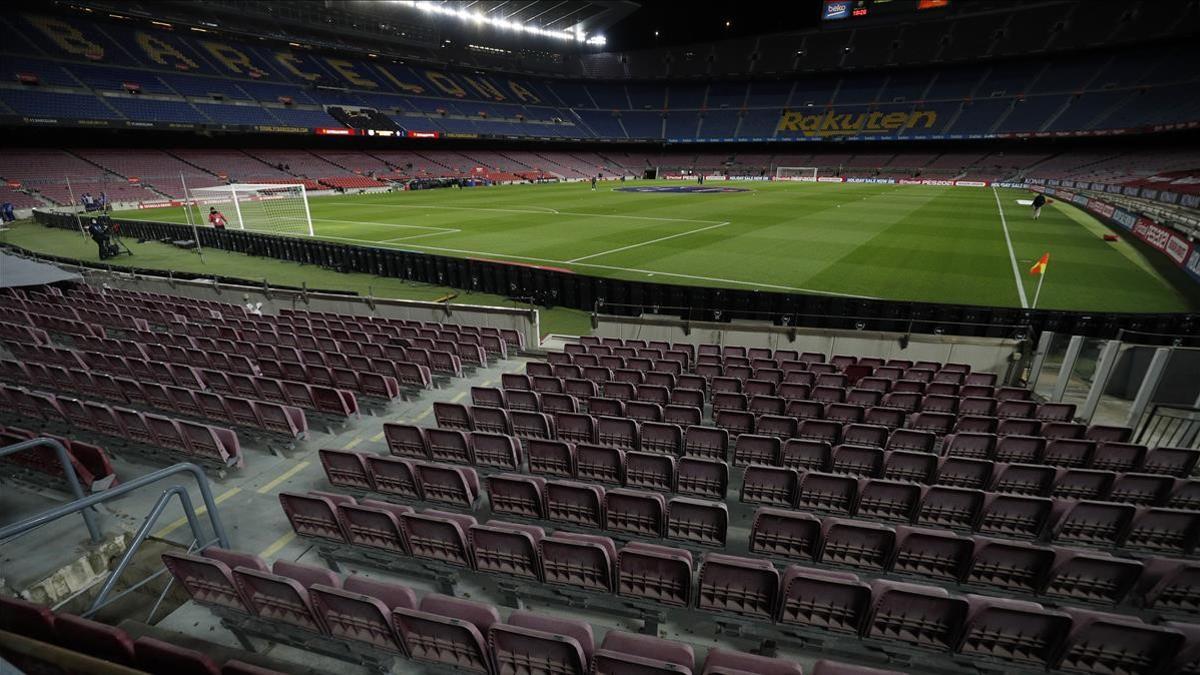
[[164, 499], [84, 503], [64, 458]]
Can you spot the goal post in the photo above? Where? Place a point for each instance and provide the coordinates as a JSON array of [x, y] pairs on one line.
[[276, 208], [801, 173]]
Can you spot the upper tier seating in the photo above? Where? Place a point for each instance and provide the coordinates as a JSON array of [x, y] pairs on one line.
[[1134, 89]]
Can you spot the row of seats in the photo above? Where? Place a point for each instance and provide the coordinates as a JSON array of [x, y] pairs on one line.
[[1094, 523], [782, 440], [473, 346], [90, 462], [1059, 574], [371, 377], [409, 374], [657, 403], [53, 324], [575, 395], [407, 327], [862, 544], [268, 416], [894, 409], [680, 461], [694, 476], [389, 621], [95, 306], [249, 358], [22, 311], [962, 489], [746, 369], [968, 462], [19, 332], [211, 445], [799, 385], [814, 362], [852, 407], [793, 385], [1037, 480], [1164, 530], [1096, 450], [753, 592], [797, 414], [840, 361], [382, 382], [322, 398], [208, 355], [649, 360], [108, 643], [307, 329], [621, 511]]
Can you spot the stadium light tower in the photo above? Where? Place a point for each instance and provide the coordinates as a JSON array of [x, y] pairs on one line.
[[575, 33]]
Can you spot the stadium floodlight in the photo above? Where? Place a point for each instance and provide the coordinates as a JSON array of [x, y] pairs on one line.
[[479, 18], [800, 173], [275, 208]]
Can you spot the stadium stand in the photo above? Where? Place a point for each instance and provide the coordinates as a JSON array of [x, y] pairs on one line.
[[1130, 90]]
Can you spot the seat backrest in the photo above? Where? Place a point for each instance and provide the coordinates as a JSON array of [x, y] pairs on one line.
[[744, 586], [442, 639], [156, 656], [580, 631]]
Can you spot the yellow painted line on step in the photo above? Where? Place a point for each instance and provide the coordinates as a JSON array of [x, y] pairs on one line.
[[377, 437], [199, 512], [353, 442], [461, 396], [284, 476], [423, 415], [277, 545]]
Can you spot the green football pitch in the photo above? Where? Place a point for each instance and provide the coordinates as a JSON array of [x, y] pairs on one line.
[[899, 242]]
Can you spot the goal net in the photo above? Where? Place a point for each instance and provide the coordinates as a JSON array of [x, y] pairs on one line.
[[262, 207], [804, 173]]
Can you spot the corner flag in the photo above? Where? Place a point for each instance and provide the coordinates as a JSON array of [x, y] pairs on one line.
[[1039, 267]]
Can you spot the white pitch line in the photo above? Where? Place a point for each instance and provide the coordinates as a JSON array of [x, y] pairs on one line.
[[557, 213], [378, 224], [418, 236], [652, 241], [524, 258], [1012, 256], [451, 208], [730, 281]]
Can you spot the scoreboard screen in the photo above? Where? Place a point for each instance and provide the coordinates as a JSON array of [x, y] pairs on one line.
[[836, 10]]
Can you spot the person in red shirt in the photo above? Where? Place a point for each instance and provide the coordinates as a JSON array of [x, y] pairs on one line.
[[216, 218]]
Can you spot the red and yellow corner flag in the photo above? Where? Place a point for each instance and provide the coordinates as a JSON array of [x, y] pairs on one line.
[[1039, 267]]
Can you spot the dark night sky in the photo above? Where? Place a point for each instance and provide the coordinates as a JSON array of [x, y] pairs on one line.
[[684, 22]]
